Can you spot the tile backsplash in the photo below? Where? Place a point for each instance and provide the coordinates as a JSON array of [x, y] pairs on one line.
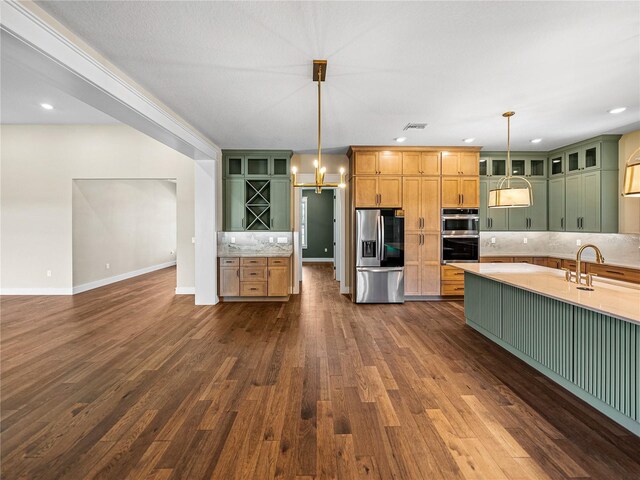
[[622, 248], [266, 242]]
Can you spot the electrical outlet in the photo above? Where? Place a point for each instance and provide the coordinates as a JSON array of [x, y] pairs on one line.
[[193, 240], [172, 252], [578, 242], [107, 266], [48, 273], [270, 239], [282, 240], [525, 240], [493, 239], [233, 239]]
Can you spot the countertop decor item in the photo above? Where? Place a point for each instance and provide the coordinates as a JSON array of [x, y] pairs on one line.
[[632, 176], [506, 195], [319, 75]]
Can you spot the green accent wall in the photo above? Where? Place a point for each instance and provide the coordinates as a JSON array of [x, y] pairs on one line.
[[319, 224]]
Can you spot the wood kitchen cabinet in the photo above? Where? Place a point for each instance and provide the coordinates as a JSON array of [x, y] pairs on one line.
[[460, 163], [420, 163], [378, 163], [421, 203], [254, 277], [422, 263], [461, 192], [378, 192]]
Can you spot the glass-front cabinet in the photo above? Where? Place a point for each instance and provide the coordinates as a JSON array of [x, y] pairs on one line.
[[523, 164], [584, 157], [556, 164], [257, 190]]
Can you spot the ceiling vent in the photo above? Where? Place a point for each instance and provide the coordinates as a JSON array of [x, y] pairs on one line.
[[415, 126]]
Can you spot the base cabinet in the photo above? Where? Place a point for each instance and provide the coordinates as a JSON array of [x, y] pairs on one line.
[[254, 277]]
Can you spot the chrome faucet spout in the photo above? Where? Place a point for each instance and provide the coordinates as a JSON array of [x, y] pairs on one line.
[[599, 259]]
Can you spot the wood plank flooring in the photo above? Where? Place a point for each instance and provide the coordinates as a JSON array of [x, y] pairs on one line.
[[131, 381]]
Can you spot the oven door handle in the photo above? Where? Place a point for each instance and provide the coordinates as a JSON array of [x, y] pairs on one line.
[[460, 236], [461, 217]]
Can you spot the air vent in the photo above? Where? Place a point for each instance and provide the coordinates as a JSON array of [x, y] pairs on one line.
[[415, 126]]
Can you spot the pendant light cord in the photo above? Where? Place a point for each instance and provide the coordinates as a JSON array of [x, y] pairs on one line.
[[319, 125]]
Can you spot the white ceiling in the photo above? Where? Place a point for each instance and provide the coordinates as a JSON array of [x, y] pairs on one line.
[[22, 92], [241, 72]]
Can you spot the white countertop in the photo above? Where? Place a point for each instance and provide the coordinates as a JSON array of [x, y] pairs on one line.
[[237, 252], [564, 256], [610, 297]]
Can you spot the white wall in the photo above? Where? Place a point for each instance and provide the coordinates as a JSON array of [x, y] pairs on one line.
[[129, 225], [38, 165]]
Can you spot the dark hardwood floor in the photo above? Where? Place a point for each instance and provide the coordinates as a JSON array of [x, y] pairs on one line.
[[131, 381]]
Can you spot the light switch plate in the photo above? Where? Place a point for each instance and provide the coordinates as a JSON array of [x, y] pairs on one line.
[[525, 240], [282, 240], [578, 242], [493, 239], [270, 239], [233, 239]]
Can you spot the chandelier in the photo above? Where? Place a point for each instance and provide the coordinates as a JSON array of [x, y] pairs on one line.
[[319, 74]]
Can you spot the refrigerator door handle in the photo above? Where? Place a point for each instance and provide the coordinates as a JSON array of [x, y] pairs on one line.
[[380, 270], [381, 237]]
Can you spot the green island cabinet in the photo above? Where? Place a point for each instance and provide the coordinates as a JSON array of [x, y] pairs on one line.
[[257, 190], [532, 166], [583, 186]]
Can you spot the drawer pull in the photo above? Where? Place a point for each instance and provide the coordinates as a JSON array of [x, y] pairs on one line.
[[253, 289], [253, 274], [615, 272]]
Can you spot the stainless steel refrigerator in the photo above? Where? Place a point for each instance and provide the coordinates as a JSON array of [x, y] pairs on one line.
[[379, 256]]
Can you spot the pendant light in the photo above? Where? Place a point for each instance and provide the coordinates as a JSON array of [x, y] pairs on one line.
[[319, 74], [506, 195], [631, 186]]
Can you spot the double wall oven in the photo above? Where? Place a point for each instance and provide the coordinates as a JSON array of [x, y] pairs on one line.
[[460, 235]]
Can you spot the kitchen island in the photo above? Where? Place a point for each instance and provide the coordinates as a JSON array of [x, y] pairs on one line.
[[586, 341]]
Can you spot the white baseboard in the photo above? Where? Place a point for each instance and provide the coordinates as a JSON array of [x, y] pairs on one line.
[[345, 290], [36, 291], [185, 290], [317, 260], [118, 278]]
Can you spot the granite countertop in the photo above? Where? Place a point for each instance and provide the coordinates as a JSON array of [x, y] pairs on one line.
[[614, 263], [610, 297], [248, 252]]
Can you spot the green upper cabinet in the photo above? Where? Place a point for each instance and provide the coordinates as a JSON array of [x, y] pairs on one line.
[[257, 190], [556, 164], [234, 205], [493, 219], [523, 164], [280, 201], [532, 218], [556, 204]]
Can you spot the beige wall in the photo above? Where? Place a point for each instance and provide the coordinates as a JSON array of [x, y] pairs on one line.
[[38, 165], [629, 216], [129, 225]]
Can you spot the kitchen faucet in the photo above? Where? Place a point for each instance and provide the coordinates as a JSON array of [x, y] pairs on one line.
[[578, 273]]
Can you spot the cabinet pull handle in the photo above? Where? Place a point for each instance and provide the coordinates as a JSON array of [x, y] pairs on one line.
[[272, 223], [462, 197], [238, 273], [562, 222], [243, 222]]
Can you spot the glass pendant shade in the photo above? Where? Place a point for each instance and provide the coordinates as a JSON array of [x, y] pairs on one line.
[[631, 186]]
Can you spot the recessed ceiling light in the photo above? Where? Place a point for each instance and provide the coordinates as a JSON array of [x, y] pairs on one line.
[[46, 106], [617, 110], [400, 139], [468, 140], [535, 140]]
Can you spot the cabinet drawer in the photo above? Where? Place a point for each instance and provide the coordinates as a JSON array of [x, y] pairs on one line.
[[571, 265], [523, 260], [253, 289], [253, 274], [451, 273], [253, 261], [452, 288], [617, 273], [542, 261], [279, 261], [554, 263], [229, 262], [496, 259]]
